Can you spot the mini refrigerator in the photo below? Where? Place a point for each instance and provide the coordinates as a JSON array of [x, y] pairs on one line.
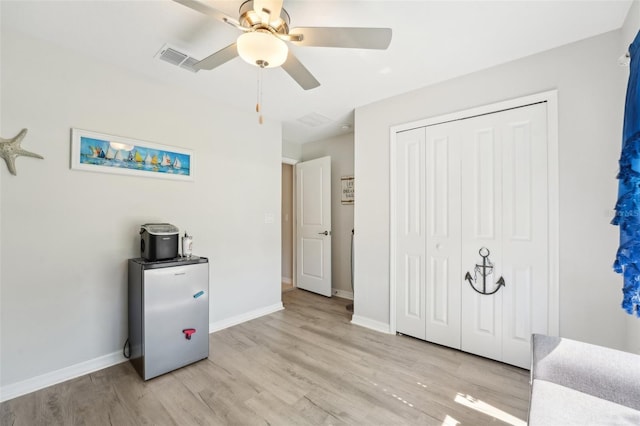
[[168, 314]]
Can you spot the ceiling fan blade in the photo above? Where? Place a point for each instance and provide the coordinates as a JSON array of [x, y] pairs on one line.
[[209, 11], [299, 73], [359, 38], [218, 58]]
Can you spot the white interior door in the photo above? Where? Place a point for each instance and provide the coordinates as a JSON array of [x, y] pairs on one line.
[[313, 212], [410, 234], [443, 234], [428, 234], [481, 229], [505, 210], [525, 231]]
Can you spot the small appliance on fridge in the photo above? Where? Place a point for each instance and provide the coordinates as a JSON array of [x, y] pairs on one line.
[[158, 241], [168, 309]]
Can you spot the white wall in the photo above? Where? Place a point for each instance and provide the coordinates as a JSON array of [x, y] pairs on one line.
[[591, 90], [291, 150], [66, 234], [340, 149]]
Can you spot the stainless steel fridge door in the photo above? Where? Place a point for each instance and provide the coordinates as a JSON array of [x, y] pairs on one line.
[[176, 302]]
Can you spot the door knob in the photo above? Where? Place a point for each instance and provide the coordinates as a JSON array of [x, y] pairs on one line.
[[324, 233]]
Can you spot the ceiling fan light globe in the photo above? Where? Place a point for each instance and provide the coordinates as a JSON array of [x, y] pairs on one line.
[[262, 49]]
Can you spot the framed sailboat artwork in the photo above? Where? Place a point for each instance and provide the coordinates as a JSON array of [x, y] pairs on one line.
[[98, 152]]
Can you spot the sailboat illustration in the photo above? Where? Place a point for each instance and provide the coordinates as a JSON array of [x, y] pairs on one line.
[[119, 156], [166, 160], [154, 160], [137, 157], [130, 158], [147, 159], [176, 163], [111, 154], [93, 151]]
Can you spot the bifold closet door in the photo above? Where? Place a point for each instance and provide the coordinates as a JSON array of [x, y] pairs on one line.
[[504, 209], [410, 233], [464, 190], [428, 234]]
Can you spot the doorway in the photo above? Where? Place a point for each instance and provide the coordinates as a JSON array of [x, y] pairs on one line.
[[288, 227], [313, 226]]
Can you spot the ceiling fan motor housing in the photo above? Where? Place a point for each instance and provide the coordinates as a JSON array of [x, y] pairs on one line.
[[249, 18]]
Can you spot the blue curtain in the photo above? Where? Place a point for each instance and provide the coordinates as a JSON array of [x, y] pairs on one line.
[[627, 215]]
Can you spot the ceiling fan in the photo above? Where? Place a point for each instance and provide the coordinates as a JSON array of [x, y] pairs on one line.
[[265, 33]]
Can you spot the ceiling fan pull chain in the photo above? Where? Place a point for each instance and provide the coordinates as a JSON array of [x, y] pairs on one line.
[[259, 95]]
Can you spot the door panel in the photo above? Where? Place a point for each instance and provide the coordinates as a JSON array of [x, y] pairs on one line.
[[312, 259], [410, 234], [414, 290], [479, 146], [443, 234], [313, 204], [525, 226], [481, 213]]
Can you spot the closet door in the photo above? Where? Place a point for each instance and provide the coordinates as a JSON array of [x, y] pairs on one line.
[[504, 210], [481, 230], [471, 196], [410, 233], [525, 231], [428, 234], [443, 234]]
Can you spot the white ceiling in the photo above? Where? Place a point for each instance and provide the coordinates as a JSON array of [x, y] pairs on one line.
[[432, 41]]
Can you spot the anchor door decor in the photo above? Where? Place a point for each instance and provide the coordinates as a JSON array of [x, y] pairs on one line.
[[470, 220], [484, 270]]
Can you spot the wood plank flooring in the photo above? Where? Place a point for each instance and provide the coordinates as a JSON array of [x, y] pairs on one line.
[[306, 365]]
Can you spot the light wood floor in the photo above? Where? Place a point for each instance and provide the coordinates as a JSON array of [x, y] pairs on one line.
[[304, 365]]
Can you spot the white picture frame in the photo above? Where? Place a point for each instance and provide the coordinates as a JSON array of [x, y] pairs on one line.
[[103, 153]]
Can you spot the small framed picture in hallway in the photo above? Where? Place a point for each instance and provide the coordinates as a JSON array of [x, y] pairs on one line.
[[348, 194]]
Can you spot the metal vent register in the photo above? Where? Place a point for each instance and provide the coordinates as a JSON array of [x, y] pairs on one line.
[[175, 57]]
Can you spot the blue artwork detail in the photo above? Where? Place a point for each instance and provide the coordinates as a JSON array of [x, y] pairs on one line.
[[102, 153], [627, 215]]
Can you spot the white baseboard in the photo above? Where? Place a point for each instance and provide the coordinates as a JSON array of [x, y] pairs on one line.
[[342, 293], [287, 280], [247, 316], [371, 324], [33, 384]]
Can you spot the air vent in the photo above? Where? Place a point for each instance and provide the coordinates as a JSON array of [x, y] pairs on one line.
[[314, 119], [173, 56], [188, 64]]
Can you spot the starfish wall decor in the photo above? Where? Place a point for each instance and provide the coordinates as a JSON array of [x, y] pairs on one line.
[[10, 149]]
